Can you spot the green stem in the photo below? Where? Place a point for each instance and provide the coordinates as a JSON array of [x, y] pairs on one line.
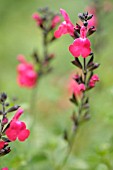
[[45, 44], [72, 139], [85, 71], [33, 100]]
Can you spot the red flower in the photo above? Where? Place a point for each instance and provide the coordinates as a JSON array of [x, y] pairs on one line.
[[2, 143], [81, 46], [17, 129], [5, 168], [37, 18], [27, 76], [55, 21], [93, 80], [65, 27], [75, 88]]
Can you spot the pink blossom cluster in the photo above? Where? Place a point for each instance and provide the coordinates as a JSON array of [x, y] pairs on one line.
[[16, 129], [27, 76], [76, 88], [93, 80], [81, 45], [37, 18]]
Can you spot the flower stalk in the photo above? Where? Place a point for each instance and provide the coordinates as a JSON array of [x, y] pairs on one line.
[[84, 81], [29, 74]]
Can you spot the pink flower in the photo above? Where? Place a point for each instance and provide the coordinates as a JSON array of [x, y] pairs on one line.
[[37, 18], [82, 87], [27, 76], [5, 120], [65, 27], [93, 80], [5, 168], [2, 143], [17, 129], [55, 21], [75, 88], [81, 46]]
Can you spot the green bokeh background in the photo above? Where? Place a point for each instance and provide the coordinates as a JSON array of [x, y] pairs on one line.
[[45, 147]]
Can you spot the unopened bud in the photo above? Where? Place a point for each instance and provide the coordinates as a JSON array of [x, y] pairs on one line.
[[96, 65], [7, 104], [5, 120], [90, 16], [80, 15], [12, 109], [5, 151], [3, 97]]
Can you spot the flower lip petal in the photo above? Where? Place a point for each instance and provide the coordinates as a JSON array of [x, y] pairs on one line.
[[23, 135]]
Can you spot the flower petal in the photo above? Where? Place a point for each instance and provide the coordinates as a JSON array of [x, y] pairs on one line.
[[11, 134], [75, 48], [65, 15], [23, 135], [62, 29], [86, 50]]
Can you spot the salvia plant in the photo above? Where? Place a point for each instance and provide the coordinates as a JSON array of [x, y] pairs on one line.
[[86, 79], [10, 129], [30, 73]]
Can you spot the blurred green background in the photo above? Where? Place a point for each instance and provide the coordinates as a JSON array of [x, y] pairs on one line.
[[45, 148]]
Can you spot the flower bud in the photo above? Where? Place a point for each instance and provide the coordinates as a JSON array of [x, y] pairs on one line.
[[12, 109], [5, 120], [3, 97], [80, 15], [90, 16], [5, 151]]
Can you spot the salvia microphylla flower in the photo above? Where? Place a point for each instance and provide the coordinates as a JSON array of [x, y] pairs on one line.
[[75, 88], [66, 27], [27, 76], [5, 168], [81, 46], [37, 18], [55, 21], [17, 129], [93, 80]]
